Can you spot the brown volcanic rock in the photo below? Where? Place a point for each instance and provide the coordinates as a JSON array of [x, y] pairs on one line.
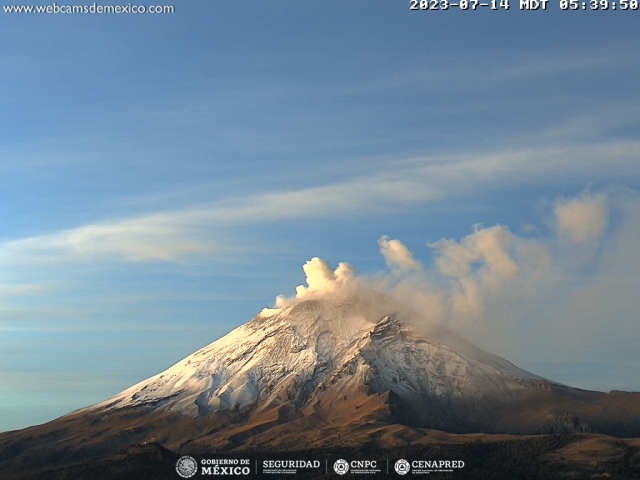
[[323, 374]]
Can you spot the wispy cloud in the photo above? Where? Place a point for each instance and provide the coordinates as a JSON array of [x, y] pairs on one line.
[[205, 230], [448, 77], [153, 237], [23, 290]]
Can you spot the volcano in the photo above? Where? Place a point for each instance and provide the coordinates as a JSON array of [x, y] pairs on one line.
[[326, 359], [324, 372]]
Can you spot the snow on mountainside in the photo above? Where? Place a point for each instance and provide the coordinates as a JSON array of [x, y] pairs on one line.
[[345, 369], [292, 355], [324, 372]]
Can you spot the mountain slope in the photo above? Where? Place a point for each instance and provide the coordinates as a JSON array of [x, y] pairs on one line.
[[320, 374], [292, 357]]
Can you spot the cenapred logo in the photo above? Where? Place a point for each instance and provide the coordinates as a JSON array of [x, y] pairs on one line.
[[402, 467], [341, 467], [186, 466]]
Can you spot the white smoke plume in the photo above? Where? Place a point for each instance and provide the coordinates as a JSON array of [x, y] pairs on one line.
[[465, 277], [582, 219], [503, 290], [396, 255], [321, 280]]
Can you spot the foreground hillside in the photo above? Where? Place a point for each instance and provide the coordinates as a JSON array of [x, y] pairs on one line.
[[495, 457]]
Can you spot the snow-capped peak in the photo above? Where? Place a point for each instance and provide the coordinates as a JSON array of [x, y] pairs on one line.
[[290, 354]]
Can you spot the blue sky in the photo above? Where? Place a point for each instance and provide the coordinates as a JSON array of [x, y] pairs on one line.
[[164, 177]]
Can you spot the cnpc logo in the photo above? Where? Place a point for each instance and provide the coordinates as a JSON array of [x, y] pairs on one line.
[[357, 466], [341, 466]]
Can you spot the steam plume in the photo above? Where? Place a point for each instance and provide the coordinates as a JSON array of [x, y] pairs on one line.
[[497, 287], [582, 219]]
